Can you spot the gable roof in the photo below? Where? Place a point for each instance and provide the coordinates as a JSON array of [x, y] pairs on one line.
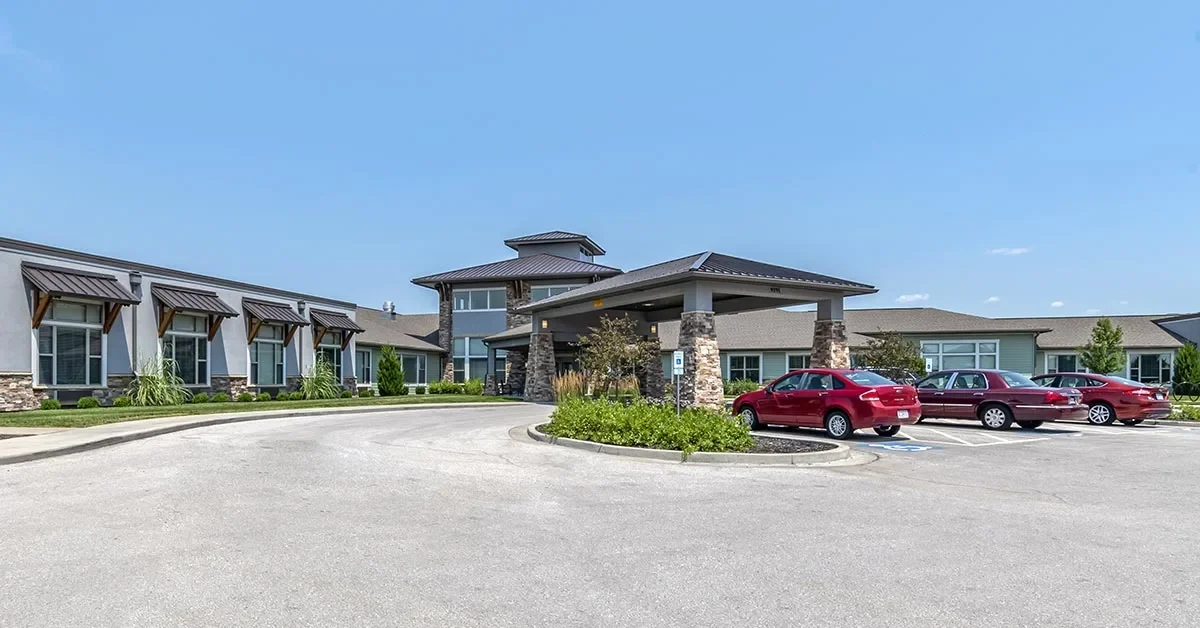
[[418, 332], [700, 265], [1072, 332], [554, 237], [541, 266]]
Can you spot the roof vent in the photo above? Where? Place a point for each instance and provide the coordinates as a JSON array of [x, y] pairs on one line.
[[389, 308]]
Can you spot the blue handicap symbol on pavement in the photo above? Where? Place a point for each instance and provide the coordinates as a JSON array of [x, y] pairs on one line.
[[901, 446]]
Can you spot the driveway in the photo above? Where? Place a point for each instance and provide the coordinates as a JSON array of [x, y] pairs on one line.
[[439, 518]]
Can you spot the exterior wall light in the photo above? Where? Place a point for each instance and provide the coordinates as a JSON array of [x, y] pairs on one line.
[[545, 324], [654, 329]]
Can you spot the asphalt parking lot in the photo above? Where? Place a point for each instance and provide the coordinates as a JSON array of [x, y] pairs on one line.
[[441, 518]]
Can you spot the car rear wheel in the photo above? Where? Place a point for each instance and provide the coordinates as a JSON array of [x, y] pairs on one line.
[[887, 430], [1101, 413], [837, 425], [750, 418], [1131, 422], [1029, 425], [996, 417]]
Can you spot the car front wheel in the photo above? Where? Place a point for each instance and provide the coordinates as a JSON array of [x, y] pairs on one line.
[[750, 418], [837, 425], [1101, 414], [996, 417], [887, 430]]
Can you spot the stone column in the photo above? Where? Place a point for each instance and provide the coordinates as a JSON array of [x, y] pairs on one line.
[[540, 365], [514, 376], [653, 383], [516, 295], [446, 329], [700, 384], [17, 393], [830, 348]]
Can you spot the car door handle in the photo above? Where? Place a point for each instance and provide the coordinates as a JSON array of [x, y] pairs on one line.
[[938, 394], [822, 394], [977, 395]]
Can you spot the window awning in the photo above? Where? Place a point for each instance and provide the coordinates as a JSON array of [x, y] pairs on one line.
[[325, 321], [53, 282], [172, 299], [259, 312]]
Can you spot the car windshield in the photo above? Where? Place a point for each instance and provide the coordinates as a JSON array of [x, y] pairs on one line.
[[867, 378], [1017, 380]]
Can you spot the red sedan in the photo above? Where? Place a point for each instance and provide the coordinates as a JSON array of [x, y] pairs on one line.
[[838, 400], [997, 399], [1110, 398]]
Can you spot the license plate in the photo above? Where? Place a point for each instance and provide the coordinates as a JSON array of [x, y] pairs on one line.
[[902, 414], [1159, 396]]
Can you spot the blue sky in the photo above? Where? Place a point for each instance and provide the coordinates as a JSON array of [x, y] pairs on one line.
[[993, 159]]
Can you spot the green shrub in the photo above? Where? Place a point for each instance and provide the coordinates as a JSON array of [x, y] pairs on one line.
[[740, 386], [220, 398], [122, 402], [404, 391], [1185, 412], [158, 384], [474, 386], [51, 404], [643, 425], [200, 398], [87, 402], [435, 388], [263, 396], [420, 390], [366, 392], [321, 382], [282, 396], [245, 396], [296, 396], [346, 394]]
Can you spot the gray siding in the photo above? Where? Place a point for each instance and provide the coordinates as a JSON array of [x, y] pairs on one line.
[[480, 324], [571, 250]]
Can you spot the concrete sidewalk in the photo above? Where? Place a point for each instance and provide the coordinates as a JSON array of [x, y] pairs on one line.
[[49, 442]]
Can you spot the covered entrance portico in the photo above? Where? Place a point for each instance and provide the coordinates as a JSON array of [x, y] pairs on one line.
[[693, 290]]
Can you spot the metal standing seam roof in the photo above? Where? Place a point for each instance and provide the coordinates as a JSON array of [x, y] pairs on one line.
[[551, 237], [57, 281], [700, 265], [269, 312], [334, 320], [191, 300], [543, 265]]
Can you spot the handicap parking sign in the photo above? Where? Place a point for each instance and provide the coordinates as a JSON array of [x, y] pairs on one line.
[[907, 447]]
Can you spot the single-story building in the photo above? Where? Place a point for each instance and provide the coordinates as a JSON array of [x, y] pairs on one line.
[[414, 337]]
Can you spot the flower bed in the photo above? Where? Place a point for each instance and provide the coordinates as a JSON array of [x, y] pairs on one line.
[[640, 424]]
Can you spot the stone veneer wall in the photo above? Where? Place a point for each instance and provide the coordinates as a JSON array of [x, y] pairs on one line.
[[350, 383], [654, 383], [446, 330], [538, 381], [701, 383], [517, 294], [17, 393], [232, 386], [514, 375], [830, 348], [118, 386]]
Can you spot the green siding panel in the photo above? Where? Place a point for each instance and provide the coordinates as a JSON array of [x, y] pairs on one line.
[[774, 365]]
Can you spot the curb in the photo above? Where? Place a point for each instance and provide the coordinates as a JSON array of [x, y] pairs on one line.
[[1170, 422], [205, 421], [840, 452]]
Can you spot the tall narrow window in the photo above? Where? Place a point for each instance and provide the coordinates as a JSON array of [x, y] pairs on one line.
[[414, 368], [330, 350], [266, 357], [187, 344], [362, 366], [470, 359], [70, 345]]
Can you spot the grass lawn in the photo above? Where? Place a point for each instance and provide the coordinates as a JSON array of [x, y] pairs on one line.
[[100, 416]]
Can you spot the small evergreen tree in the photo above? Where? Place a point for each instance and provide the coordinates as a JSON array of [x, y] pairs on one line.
[[1105, 352], [391, 374], [614, 351], [889, 351], [1187, 365]]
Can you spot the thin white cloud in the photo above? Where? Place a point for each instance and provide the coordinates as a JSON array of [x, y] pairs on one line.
[[25, 61], [1009, 251], [912, 298], [1057, 304], [992, 300], [1123, 303]]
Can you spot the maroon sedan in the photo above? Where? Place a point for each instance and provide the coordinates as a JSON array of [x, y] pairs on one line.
[[1111, 398], [997, 399], [839, 400]]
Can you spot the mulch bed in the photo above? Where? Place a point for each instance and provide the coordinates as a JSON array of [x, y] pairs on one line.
[[768, 445]]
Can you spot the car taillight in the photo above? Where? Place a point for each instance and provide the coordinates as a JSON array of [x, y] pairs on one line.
[[870, 395], [1141, 392], [1056, 398]]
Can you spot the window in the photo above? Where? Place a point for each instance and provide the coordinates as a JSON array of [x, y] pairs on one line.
[[791, 382], [867, 378], [186, 342], [1016, 380], [961, 354], [70, 345], [501, 369], [818, 381], [1064, 363], [470, 359], [969, 381], [545, 292], [797, 361], [935, 382], [330, 350], [1075, 381], [479, 300], [745, 367], [266, 357], [362, 366], [1150, 368], [414, 369]]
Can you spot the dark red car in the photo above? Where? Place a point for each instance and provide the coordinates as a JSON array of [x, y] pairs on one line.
[[1110, 398], [997, 399], [839, 400]]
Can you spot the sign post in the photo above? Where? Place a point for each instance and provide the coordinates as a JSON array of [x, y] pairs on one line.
[[677, 371]]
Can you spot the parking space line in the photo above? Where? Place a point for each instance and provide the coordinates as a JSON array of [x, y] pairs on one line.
[[1012, 442], [945, 435]]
